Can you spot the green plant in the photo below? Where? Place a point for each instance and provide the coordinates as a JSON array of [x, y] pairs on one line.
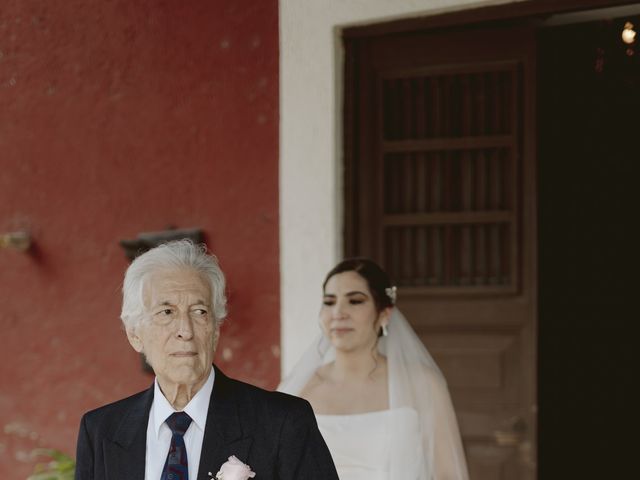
[[59, 467]]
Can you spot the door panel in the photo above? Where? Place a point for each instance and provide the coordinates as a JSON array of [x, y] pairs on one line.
[[440, 189]]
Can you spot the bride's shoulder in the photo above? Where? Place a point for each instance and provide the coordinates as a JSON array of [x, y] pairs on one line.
[[316, 380], [314, 390]]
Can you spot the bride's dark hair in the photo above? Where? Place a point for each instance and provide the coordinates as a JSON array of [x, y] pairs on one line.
[[377, 279]]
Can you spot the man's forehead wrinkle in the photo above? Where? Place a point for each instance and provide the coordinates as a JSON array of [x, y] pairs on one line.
[[162, 296], [197, 301], [175, 296], [178, 285], [169, 287]]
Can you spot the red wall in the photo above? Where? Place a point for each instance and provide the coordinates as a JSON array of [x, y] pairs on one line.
[[119, 117]]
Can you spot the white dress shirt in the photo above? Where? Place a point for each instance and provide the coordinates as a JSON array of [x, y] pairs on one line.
[[159, 433]]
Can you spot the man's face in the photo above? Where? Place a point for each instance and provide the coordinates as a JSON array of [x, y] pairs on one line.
[[178, 334]]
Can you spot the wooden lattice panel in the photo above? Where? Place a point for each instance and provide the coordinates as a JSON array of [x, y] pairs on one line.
[[448, 157]]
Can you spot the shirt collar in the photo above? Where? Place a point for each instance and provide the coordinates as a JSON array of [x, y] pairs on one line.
[[197, 408]]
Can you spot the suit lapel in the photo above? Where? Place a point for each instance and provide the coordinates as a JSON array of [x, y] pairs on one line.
[[125, 453], [224, 435]]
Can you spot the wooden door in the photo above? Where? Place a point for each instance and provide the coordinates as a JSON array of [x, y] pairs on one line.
[[440, 188]]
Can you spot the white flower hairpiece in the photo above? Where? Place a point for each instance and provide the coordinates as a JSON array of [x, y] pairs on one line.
[[392, 293], [234, 469]]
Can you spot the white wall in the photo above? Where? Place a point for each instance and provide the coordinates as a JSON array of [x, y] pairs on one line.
[[310, 147]]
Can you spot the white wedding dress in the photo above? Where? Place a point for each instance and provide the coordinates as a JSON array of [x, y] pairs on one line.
[[416, 439], [369, 446]]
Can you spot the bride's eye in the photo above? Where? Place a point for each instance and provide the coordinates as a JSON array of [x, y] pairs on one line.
[[328, 302], [356, 301]]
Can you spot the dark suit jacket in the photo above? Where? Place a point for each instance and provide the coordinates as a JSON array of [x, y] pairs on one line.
[[274, 433]]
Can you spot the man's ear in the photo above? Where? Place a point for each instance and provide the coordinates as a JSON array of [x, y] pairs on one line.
[[134, 340], [216, 335]]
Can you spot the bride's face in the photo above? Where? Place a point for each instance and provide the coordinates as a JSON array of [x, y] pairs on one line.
[[348, 315]]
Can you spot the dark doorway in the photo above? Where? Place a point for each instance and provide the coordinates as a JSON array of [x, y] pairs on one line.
[[588, 106], [577, 160]]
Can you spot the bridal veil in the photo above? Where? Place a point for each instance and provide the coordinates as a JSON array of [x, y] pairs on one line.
[[415, 381]]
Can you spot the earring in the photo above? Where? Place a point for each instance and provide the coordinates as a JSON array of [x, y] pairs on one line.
[[385, 332]]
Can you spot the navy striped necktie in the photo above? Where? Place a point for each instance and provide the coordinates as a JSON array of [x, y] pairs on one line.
[[176, 467]]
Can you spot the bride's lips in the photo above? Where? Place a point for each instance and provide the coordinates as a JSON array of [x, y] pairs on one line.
[[341, 330]]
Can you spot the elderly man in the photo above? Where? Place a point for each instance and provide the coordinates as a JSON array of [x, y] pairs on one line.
[[193, 422]]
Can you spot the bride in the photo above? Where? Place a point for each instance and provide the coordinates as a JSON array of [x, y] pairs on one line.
[[381, 402]]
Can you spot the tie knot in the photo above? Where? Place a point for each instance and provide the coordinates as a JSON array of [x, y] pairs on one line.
[[178, 422]]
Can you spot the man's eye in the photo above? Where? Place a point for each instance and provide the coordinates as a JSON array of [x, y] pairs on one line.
[[200, 311], [166, 311]]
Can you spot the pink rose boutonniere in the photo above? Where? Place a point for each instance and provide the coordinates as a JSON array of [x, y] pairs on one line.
[[234, 469]]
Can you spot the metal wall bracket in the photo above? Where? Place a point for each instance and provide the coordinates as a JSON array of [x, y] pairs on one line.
[[20, 241], [148, 240]]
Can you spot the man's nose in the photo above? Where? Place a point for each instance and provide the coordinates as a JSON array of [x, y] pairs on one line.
[[185, 326]]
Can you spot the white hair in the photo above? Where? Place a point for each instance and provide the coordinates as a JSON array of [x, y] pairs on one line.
[[174, 254]]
